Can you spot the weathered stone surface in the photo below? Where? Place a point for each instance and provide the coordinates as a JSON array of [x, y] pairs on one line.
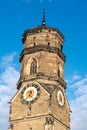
[[44, 45]]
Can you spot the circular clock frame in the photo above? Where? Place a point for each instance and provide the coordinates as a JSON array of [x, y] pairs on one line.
[[60, 98], [30, 93]]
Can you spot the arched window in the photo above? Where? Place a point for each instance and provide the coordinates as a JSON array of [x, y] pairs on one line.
[[33, 67]]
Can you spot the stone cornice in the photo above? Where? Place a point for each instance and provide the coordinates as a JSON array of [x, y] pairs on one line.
[[38, 48], [39, 29], [40, 75], [41, 116]]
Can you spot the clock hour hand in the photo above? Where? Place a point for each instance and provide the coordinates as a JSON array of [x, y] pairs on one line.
[[30, 95]]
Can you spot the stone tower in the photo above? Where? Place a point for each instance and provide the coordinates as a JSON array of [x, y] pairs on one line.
[[40, 102]]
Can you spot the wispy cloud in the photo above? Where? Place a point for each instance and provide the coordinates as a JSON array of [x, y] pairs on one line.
[[78, 103], [8, 79], [7, 60], [76, 77], [76, 90]]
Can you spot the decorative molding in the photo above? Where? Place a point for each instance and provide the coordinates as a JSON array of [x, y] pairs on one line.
[[39, 48], [40, 75], [39, 116], [39, 29]]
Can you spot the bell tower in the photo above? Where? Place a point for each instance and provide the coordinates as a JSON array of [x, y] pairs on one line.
[[40, 102]]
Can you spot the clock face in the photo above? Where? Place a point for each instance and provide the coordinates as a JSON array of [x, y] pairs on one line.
[[30, 93], [60, 97]]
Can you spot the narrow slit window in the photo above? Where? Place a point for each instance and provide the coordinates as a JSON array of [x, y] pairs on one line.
[[34, 44], [58, 72], [58, 69], [48, 43]]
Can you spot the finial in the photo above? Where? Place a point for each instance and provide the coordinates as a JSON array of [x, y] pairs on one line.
[[44, 20]]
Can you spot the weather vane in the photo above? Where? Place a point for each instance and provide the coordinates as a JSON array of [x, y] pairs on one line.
[[44, 20]]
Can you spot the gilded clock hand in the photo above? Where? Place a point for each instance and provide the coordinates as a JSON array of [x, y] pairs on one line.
[[30, 95]]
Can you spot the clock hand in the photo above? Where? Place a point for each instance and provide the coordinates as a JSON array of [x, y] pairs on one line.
[[30, 95]]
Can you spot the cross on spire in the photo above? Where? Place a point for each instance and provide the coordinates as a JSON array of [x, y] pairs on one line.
[[44, 20]]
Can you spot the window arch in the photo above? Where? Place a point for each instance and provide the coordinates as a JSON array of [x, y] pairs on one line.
[[33, 67]]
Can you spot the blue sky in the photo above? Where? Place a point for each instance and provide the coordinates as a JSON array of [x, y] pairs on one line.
[[70, 17]]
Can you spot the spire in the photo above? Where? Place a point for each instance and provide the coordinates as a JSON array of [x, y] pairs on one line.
[[44, 20]]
